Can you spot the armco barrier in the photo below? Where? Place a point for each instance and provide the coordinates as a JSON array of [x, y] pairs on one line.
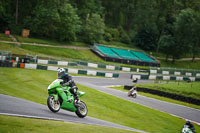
[[177, 73], [61, 63], [166, 94], [111, 67], [157, 77], [5, 64], [94, 65], [71, 70]]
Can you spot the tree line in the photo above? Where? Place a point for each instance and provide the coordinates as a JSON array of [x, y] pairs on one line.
[[168, 26]]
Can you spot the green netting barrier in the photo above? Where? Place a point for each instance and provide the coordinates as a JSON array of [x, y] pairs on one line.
[[72, 64], [185, 78], [41, 67], [172, 78], [144, 76], [52, 62], [159, 77], [100, 74], [197, 79], [82, 72], [83, 63], [115, 75], [101, 66]]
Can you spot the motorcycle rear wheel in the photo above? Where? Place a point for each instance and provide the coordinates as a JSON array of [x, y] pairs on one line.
[[53, 105], [81, 109]]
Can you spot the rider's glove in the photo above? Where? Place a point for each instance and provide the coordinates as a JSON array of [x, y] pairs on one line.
[[70, 81], [64, 84]]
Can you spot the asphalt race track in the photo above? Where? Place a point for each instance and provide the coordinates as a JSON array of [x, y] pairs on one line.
[[174, 109], [19, 107]]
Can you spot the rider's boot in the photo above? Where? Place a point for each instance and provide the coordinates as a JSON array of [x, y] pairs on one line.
[[76, 98]]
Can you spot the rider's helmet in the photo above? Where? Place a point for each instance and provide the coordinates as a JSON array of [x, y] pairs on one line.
[[187, 123], [61, 73]]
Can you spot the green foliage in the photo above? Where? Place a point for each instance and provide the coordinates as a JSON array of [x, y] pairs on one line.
[[69, 23], [54, 19], [166, 45], [123, 37], [146, 38], [111, 33], [94, 29], [185, 33], [108, 37]]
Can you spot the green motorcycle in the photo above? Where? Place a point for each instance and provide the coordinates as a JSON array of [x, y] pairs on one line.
[[60, 97]]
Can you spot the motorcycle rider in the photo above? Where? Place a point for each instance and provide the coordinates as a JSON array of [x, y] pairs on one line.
[[67, 81], [132, 89], [135, 80], [132, 92], [189, 125]]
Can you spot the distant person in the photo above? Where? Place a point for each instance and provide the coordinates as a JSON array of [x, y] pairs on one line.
[[188, 127], [133, 92], [133, 89], [135, 80]]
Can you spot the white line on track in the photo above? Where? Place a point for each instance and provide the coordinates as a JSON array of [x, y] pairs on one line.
[[68, 121]]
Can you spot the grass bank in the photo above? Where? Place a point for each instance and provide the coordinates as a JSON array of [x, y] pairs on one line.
[[32, 84], [4, 37], [181, 64], [59, 54], [79, 54], [48, 41], [10, 124]]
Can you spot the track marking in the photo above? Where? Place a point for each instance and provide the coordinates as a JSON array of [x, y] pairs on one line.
[[70, 121]]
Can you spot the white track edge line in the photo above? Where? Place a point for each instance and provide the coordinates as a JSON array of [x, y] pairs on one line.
[[69, 121]]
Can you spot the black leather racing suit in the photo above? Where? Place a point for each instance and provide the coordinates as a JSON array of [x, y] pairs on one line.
[[67, 80]]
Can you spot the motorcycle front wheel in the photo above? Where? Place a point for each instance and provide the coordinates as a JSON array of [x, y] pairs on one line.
[[81, 109], [134, 95], [53, 105]]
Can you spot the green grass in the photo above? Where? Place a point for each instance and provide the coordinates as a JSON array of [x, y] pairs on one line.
[[10, 124], [59, 54], [121, 45], [4, 37], [80, 54], [181, 88], [14, 49], [48, 41], [32, 85], [160, 98], [181, 64]]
